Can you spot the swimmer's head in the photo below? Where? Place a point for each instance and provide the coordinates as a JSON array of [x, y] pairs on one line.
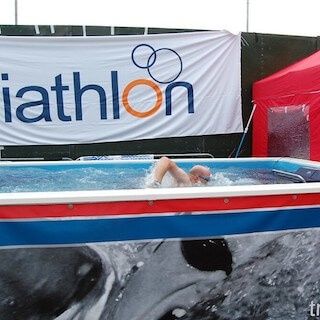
[[200, 174]]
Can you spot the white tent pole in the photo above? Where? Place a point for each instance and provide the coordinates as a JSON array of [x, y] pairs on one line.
[[248, 5], [84, 31], [15, 12]]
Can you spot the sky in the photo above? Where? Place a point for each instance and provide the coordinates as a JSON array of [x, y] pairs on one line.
[[292, 17]]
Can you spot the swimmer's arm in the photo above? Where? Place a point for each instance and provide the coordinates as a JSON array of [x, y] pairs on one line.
[[165, 165]]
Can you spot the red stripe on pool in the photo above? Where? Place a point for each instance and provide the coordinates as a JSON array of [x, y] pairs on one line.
[[156, 207]]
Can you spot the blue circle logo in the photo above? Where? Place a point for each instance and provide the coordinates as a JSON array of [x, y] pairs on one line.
[[154, 61]]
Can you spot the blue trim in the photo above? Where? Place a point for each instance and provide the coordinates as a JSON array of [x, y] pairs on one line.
[[154, 227], [287, 166], [230, 163]]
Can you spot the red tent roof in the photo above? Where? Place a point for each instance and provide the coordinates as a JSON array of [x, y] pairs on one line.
[[299, 78]]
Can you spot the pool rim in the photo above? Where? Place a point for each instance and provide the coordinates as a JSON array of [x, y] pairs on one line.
[[95, 196]]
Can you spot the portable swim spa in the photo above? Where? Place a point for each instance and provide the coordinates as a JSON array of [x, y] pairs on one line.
[[87, 240]]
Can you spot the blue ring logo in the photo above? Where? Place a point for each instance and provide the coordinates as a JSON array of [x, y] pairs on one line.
[[152, 60]]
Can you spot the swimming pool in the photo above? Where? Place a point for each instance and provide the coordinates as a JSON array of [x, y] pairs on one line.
[[177, 253], [112, 175], [118, 187]]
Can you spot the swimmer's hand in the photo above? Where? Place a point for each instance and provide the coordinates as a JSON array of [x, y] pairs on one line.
[[154, 184]]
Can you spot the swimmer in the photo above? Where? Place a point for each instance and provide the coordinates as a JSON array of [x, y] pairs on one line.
[[198, 175]]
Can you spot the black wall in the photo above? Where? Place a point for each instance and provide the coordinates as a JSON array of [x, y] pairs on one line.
[[262, 55]]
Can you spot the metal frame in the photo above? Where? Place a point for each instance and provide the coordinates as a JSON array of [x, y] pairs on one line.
[[289, 175]]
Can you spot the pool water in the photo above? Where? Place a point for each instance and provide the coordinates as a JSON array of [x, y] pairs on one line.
[[75, 178]]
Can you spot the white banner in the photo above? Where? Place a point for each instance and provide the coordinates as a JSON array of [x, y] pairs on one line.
[[70, 90]]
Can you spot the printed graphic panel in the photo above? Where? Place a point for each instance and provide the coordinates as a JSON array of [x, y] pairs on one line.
[[258, 276]]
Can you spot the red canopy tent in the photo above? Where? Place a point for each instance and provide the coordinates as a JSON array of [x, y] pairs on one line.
[[287, 116]]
